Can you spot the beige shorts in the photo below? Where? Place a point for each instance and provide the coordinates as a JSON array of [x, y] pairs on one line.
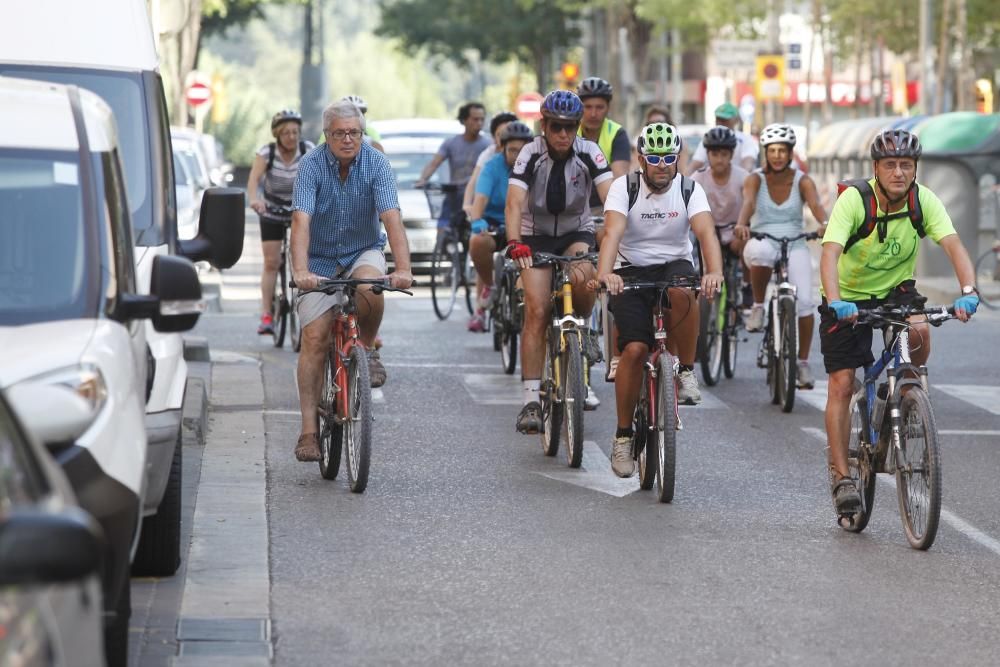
[[312, 305]]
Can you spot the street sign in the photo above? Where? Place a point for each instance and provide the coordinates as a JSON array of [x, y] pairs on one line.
[[528, 106], [794, 63], [770, 79], [198, 93], [736, 54]]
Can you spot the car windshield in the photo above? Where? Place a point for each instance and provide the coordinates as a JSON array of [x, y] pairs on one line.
[[44, 253], [181, 174], [407, 167], [122, 92]]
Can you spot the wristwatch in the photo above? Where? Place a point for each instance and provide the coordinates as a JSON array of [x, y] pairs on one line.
[[969, 289]]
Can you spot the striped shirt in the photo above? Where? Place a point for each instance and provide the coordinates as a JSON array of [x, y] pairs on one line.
[[278, 180], [344, 213]]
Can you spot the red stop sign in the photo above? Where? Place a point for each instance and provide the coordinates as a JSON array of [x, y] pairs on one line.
[[197, 94], [770, 70]]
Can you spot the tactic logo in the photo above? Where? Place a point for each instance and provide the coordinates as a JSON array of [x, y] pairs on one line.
[[659, 215]]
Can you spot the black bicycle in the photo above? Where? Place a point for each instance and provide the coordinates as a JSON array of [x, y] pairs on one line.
[[451, 266], [506, 311], [721, 320], [988, 270], [283, 299], [779, 350]]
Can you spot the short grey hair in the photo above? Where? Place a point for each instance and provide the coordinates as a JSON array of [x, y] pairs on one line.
[[342, 109]]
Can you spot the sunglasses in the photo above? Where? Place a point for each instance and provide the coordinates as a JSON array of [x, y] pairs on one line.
[[556, 128], [654, 160]]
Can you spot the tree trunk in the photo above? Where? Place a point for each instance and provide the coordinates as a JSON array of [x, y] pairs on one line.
[[859, 39], [942, 57], [963, 85], [816, 28], [827, 76], [187, 51]]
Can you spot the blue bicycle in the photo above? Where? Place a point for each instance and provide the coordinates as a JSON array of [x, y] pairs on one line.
[[893, 430]]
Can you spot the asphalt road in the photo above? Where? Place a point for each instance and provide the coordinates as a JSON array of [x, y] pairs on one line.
[[470, 546]]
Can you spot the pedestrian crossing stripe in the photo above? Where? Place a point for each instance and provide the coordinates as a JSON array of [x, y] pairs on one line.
[[986, 397]]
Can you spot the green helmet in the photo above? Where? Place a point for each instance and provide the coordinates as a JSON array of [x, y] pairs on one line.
[[659, 139]]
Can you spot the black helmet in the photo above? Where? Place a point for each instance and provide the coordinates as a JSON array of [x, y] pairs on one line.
[[896, 143], [499, 119], [594, 86], [285, 116], [516, 130], [719, 136]]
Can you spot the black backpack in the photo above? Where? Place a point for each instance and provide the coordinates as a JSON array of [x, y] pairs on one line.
[[271, 151], [872, 221], [632, 183]]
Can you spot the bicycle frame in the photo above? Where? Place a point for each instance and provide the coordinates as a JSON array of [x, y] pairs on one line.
[[563, 316], [345, 336]]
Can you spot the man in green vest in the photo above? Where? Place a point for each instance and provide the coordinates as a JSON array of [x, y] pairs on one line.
[[596, 95]]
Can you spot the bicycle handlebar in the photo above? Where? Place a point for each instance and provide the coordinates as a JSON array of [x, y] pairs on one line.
[[544, 258], [331, 285], [808, 236], [683, 282], [438, 187], [885, 315]]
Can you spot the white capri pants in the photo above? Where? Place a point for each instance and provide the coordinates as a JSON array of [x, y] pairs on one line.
[[765, 252]]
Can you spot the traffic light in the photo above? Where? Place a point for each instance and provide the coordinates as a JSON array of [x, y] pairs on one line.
[[984, 96], [570, 73]]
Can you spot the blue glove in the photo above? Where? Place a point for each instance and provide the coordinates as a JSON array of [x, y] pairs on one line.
[[968, 303], [843, 309], [480, 226]]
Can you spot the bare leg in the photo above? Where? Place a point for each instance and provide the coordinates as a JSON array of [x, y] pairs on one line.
[[805, 336], [580, 273], [315, 346], [838, 401], [370, 306], [683, 323], [759, 277], [481, 249], [272, 260], [537, 307], [628, 381]]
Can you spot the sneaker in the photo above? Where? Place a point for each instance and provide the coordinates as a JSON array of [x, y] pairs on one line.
[[376, 371], [266, 326], [612, 370], [592, 347], [529, 421], [591, 401], [687, 390], [845, 496], [805, 379], [486, 297], [622, 463], [755, 321], [477, 323]]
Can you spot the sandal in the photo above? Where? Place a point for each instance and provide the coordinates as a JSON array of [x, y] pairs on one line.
[[376, 371], [307, 448]]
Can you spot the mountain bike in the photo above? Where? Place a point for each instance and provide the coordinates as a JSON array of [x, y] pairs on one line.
[[656, 417], [779, 350], [451, 266], [893, 429], [282, 312], [506, 311], [345, 403], [988, 269], [563, 389], [721, 320]]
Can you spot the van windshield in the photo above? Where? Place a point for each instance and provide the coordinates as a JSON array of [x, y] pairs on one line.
[[123, 93], [44, 267]]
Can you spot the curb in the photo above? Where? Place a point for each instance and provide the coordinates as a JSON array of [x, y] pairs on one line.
[[195, 412]]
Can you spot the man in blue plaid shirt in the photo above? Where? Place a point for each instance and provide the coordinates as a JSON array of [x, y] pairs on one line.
[[343, 190]]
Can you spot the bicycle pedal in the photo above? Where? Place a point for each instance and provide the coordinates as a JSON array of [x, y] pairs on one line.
[[847, 520]]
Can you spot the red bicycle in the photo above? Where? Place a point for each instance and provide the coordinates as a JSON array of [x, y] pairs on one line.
[[656, 415], [345, 403]]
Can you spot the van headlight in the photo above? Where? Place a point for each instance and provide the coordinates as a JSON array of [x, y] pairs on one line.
[[86, 380]]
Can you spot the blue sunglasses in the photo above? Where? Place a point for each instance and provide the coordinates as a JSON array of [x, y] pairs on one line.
[[654, 160]]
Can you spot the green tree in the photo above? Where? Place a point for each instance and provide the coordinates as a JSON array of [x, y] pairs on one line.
[[526, 30], [701, 21]]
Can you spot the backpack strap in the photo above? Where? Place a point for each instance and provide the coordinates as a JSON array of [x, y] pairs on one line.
[[916, 213], [873, 221], [270, 156], [687, 189], [302, 148], [632, 184]]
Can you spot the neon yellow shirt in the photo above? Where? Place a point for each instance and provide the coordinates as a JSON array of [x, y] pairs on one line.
[[871, 269]]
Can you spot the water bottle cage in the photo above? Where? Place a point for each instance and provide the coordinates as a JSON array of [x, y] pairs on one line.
[[786, 288]]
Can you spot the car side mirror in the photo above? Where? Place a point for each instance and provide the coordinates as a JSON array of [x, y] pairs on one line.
[[221, 226], [46, 547]]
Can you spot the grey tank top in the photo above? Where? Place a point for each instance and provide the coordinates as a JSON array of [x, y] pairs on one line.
[[779, 220]]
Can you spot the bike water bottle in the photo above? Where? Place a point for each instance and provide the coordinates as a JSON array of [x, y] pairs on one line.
[[881, 396]]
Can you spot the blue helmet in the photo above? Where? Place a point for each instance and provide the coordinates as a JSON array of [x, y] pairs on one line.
[[562, 105]]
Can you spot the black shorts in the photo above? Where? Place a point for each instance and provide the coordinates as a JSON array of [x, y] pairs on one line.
[[633, 309], [499, 232], [271, 230], [557, 245]]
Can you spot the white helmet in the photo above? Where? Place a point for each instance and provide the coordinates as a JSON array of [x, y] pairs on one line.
[[356, 101], [776, 133]]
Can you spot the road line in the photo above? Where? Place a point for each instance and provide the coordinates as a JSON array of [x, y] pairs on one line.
[[410, 364], [986, 397], [815, 397], [950, 518], [962, 431], [595, 474]]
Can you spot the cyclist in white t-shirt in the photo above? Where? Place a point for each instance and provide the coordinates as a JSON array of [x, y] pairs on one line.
[[651, 238]]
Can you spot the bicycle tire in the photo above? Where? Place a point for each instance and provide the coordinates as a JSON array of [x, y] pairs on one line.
[[733, 325], [574, 394], [469, 280], [861, 460], [645, 453], [444, 289], [666, 429], [551, 401], [505, 325], [331, 433], [358, 427], [294, 330], [279, 307], [989, 270], [920, 526], [772, 355], [710, 340], [788, 354]]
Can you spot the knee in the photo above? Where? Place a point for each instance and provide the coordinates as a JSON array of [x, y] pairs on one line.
[[841, 385], [272, 262], [634, 353], [315, 337]]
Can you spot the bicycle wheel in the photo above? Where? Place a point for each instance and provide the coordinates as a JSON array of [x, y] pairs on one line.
[[860, 459], [642, 446], [788, 353], [506, 301], [444, 286], [358, 427], [549, 395], [279, 307], [331, 434], [987, 269], [468, 279], [918, 479], [773, 359], [574, 393], [732, 326], [710, 338], [666, 429]]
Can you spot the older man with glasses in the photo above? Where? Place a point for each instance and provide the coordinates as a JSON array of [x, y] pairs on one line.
[[341, 195]]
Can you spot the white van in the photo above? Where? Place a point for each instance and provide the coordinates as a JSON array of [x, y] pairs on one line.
[[107, 47]]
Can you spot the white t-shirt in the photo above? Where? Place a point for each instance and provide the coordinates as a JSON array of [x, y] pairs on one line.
[[658, 226], [485, 156], [745, 147]]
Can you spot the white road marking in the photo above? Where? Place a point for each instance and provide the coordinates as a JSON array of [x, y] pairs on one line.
[[815, 397], [595, 473], [982, 396], [950, 518], [493, 389], [964, 431], [410, 364]]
